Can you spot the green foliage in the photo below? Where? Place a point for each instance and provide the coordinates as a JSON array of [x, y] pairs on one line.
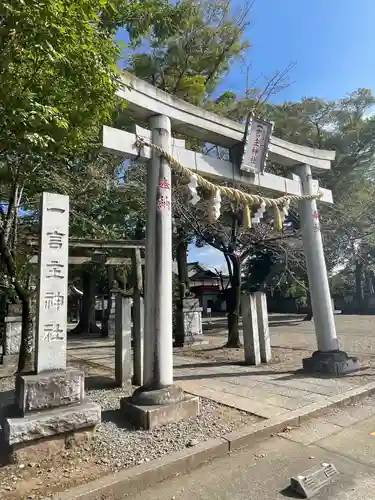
[[343, 126], [191, 63], [58, 80], [57, 76]]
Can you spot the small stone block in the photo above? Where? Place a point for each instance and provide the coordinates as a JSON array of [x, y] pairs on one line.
[[50, 390], [332, 363], [10, 360], [309, 482], [12, 338], [50, 423], [150, 417]]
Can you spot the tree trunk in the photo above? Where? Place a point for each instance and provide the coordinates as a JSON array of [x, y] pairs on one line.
[[369, 290], [233, 304], [181, 257], [25, 362], [309, 314], [110, 280], [359, 286], [25, 358], [87, 322]]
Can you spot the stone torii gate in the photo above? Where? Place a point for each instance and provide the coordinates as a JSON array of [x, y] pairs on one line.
[[165, 113]]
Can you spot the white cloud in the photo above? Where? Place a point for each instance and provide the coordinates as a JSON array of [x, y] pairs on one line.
[[208, 256], [370, 112]]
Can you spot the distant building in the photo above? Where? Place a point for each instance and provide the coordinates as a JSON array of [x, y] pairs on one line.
[[208, 286]]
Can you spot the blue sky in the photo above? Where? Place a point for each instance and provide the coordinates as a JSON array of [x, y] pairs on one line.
[[332, 43]]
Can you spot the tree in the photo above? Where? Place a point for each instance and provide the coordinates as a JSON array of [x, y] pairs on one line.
[[58, 80], [342, 126], [190, 65]]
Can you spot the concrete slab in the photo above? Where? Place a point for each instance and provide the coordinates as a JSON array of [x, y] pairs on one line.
[[316, 388], [259, 393], [311, 432], [352, 413], [300, 394], [355, 441], [263, 473], [262, 409]]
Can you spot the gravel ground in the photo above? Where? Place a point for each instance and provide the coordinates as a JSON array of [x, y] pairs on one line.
[[125, 447], [116, 445]]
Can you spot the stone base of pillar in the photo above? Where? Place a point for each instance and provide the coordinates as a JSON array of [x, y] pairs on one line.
[[149, 409], [50, 411], [335, 363]]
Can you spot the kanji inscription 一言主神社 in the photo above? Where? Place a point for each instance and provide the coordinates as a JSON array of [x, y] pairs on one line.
[[53, 283]]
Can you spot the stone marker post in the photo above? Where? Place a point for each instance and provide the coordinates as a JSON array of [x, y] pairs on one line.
[[328, 358], [12, 337], [264, 331], [51, 401], [250, 330], [138, 318], [138, 340], [123, 354], [53, 284], [189, 329], [159, 401]]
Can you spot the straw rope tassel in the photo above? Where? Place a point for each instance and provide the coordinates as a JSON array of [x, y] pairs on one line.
[[246, 217]]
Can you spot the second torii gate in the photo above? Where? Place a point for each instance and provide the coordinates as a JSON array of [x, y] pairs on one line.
[[164, 113]]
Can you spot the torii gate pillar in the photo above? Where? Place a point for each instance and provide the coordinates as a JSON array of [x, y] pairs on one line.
[[328, 358], [159, 401]]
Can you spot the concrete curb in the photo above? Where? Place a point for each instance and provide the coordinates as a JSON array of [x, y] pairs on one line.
[[129, 481]]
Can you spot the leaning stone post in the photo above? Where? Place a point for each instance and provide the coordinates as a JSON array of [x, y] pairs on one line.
[[264, 331], [250, 330]]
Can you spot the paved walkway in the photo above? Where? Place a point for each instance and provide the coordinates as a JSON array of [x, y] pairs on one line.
[[263, 471], [256, 390], [259, 390]]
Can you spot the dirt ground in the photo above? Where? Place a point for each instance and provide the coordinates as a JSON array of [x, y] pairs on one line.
[[292, 340]]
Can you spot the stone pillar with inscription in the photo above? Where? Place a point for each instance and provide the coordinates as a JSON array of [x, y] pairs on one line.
[[51, 404]]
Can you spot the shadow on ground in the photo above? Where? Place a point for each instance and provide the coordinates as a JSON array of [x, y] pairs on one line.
[[288, 374], [289, 493], [93, 382], [117, 418]]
